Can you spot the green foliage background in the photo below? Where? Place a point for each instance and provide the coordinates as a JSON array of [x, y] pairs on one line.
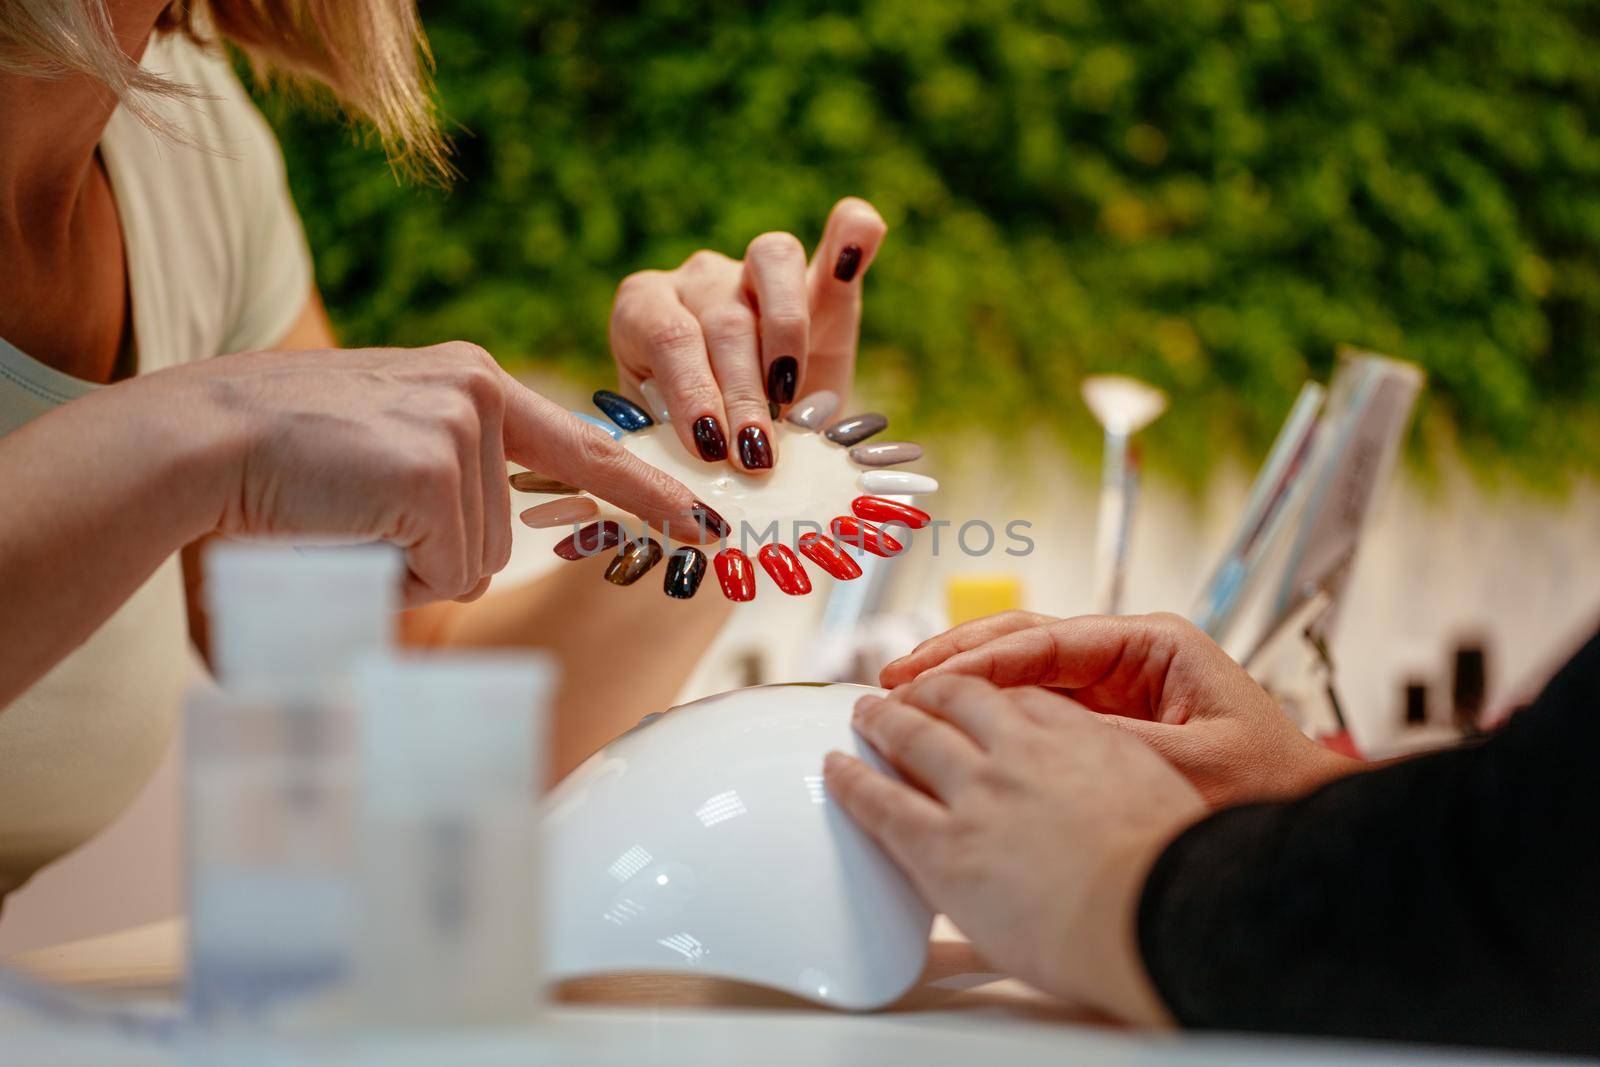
[[1208, 194]]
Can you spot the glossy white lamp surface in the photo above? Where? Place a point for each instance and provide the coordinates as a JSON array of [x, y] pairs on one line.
[[703, 841]]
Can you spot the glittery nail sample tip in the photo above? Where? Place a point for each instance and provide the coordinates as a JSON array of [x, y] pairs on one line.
[[622, 411]]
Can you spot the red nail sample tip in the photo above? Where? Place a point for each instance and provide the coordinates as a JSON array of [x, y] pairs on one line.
[[865, 536], [878, 509], [785, 568], [821, 550], [736, 574]]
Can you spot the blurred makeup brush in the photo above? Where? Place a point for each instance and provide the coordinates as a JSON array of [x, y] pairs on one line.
[[1122, 406]]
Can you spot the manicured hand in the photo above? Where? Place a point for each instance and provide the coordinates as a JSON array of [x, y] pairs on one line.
[[1159, 678], [406, 446], [1029, 821], [716, 339]]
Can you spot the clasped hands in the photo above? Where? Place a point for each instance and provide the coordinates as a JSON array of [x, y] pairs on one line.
[[1046, 764]]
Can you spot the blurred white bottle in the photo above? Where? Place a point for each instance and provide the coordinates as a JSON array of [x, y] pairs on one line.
[[452, 756], [272, 777]]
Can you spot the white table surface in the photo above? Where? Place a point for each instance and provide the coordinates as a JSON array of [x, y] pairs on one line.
[[956, 1016]]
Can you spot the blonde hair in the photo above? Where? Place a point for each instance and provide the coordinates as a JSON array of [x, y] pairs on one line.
[[371, 53]]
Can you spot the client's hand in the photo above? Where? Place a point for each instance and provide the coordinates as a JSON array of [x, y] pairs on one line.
[[1030, 822], [716, 339], [1159, 678]]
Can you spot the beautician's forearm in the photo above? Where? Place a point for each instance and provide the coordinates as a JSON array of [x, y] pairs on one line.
[[97, 494]]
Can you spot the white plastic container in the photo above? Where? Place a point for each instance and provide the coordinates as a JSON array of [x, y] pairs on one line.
[[452, 749], [272, 773]]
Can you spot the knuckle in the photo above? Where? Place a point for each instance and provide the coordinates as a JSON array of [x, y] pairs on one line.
[[638, 281], [595, 450], [705, 260], [729, 322], [775, 245], [672, 335], [785, 317]]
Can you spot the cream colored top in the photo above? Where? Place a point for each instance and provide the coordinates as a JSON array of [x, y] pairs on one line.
[[217, 263]]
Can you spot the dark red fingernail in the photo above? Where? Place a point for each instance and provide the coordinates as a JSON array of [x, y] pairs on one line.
[[865, 536], [705, 515], [736, 575], [878, 509], [784, 566], [709, 440], [821, 550], [848, 263], [782, 378], [754, 449], [592, 540]]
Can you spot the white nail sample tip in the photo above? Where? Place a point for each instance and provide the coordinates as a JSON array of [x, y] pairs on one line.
[[880, 483]]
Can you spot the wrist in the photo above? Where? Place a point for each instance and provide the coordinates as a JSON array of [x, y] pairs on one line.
[[1119, 982], [201, 440]]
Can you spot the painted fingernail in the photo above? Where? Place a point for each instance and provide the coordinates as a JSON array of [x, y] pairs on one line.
[[821, 550], [772, 410], [530, 482], [784, 566], [814, 411], [685, 570], [622, 411], [782, 377], [865, 536], [848, 263], [706, 516], [881, 482], [709, 440], [886, 453], [735, 574], [593, 539], [856, 428], [633, 561], [560, 513], [605, 424], [755, 452], [877, 509], [654, 400]]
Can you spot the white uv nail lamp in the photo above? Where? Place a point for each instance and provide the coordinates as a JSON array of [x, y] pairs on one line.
[[703, 842]]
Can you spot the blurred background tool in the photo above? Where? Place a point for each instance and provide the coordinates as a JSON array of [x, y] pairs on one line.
[[1122, 406]]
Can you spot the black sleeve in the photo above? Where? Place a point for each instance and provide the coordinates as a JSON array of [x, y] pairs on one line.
[[1453, 898]]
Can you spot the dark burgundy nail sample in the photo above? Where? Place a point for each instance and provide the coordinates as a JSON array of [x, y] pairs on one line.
[[848, 263], [622, 411], [782, 379], [593, 539], [856, 428], [736, 575], [705, 517], [709, 440], [686, 567], [635, 558], [754, 449], [784, 567]]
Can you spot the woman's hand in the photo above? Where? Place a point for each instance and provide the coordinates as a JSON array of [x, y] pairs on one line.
[[402, 446], [715, 340], [1029, 821], [1159, 678]]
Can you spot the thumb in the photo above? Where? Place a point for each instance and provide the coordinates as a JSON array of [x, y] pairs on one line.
[[551, 440]]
